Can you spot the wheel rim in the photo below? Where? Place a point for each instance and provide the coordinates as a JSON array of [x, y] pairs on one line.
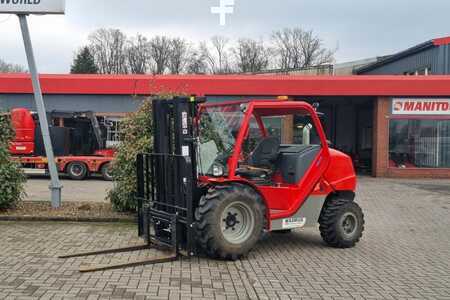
[[349, 223], [238, 222], [76, 170]]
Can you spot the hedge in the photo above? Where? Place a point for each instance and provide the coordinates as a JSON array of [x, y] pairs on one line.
[[12, 178]]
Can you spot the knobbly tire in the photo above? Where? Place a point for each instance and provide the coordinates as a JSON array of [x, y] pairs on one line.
[[230, 221], [77, 170], [341, 223]]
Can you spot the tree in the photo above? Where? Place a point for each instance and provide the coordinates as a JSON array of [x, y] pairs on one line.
[[11, 68], [217, 55], [178, 57], [251, 55], [138, 53], [160, 48], [108, 48], [84, 62], [296, 48], [196, 63]]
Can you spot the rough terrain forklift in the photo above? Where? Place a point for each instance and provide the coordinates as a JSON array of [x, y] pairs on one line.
[[223, 174]]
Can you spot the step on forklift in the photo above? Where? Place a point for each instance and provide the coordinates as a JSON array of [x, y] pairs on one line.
[[221, 175]]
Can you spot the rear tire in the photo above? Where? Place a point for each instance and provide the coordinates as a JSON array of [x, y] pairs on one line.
[[230, 220], [341, 223], [77, 170], [106, 172]]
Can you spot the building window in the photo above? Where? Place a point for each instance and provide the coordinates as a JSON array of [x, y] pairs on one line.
[[112, 126], [419, 143], [423, 71]]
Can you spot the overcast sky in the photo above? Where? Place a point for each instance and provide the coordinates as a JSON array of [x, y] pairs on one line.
[[360, 29]]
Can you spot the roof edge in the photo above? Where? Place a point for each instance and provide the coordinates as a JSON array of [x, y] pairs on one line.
[[396, 56], [244, 85], [442, 41]]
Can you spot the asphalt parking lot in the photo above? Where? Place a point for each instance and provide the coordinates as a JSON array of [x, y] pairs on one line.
[[90, 190], [404, 254]]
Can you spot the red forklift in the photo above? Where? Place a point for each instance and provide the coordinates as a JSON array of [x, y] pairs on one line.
[[224, 174], [78, 144]]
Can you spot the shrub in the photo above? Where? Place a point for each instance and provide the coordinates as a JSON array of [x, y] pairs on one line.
[[12, 178], [136, 137], [136, 131]]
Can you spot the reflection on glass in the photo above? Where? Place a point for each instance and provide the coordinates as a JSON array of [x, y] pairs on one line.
[[419, 144]]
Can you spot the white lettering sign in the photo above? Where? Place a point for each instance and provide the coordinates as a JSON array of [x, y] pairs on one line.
[[32, 6], [291, 223], [419, 106]]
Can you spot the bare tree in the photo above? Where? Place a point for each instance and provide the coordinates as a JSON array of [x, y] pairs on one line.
[[296, 48], [313, 51], [11, 68], [217, 55], [292, 49], [178, 57], [160, 47], [196, 62], [108, 48], [138, 54], [251, 55]]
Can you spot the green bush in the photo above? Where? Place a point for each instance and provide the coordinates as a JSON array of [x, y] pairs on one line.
[[12, 178], [136, 131]]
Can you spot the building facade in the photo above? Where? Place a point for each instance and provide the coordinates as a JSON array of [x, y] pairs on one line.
[[392, 126], [429, 58]]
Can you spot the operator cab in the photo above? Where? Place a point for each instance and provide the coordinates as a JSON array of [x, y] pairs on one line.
[[273, 146], [284, 153]]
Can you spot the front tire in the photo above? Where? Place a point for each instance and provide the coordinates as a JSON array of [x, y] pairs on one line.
[[230, 220], [77, 170], [341, 223]]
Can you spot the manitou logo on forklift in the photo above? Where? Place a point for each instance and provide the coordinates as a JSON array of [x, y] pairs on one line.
[[223, 174]]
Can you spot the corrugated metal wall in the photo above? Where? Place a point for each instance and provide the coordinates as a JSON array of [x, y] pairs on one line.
[[446, 54], [435, 58]]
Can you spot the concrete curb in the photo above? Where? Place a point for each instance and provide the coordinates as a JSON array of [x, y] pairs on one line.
[[67, 219]]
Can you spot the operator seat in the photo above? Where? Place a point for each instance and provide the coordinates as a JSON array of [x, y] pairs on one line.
[[262, 160]]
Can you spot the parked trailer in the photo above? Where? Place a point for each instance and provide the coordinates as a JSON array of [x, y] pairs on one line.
[[76, 167], [77, 141]]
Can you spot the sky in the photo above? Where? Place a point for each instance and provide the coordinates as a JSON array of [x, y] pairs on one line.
[[358, 29]]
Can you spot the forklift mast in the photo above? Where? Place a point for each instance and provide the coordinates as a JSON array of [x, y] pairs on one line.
[[166, 215]]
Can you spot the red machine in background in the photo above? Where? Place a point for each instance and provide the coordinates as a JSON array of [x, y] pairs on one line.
[[77, 140]]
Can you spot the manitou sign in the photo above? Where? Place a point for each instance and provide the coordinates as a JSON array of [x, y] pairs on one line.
[[32, 6], [425, 106], [22, 8]]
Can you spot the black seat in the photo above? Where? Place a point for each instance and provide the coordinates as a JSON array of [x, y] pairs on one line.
[[265, 153], [262, 160]]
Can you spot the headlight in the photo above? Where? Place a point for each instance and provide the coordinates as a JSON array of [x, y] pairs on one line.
[[217, 170]]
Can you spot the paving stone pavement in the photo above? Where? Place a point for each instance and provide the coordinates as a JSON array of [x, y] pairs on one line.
[[404, 254]]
